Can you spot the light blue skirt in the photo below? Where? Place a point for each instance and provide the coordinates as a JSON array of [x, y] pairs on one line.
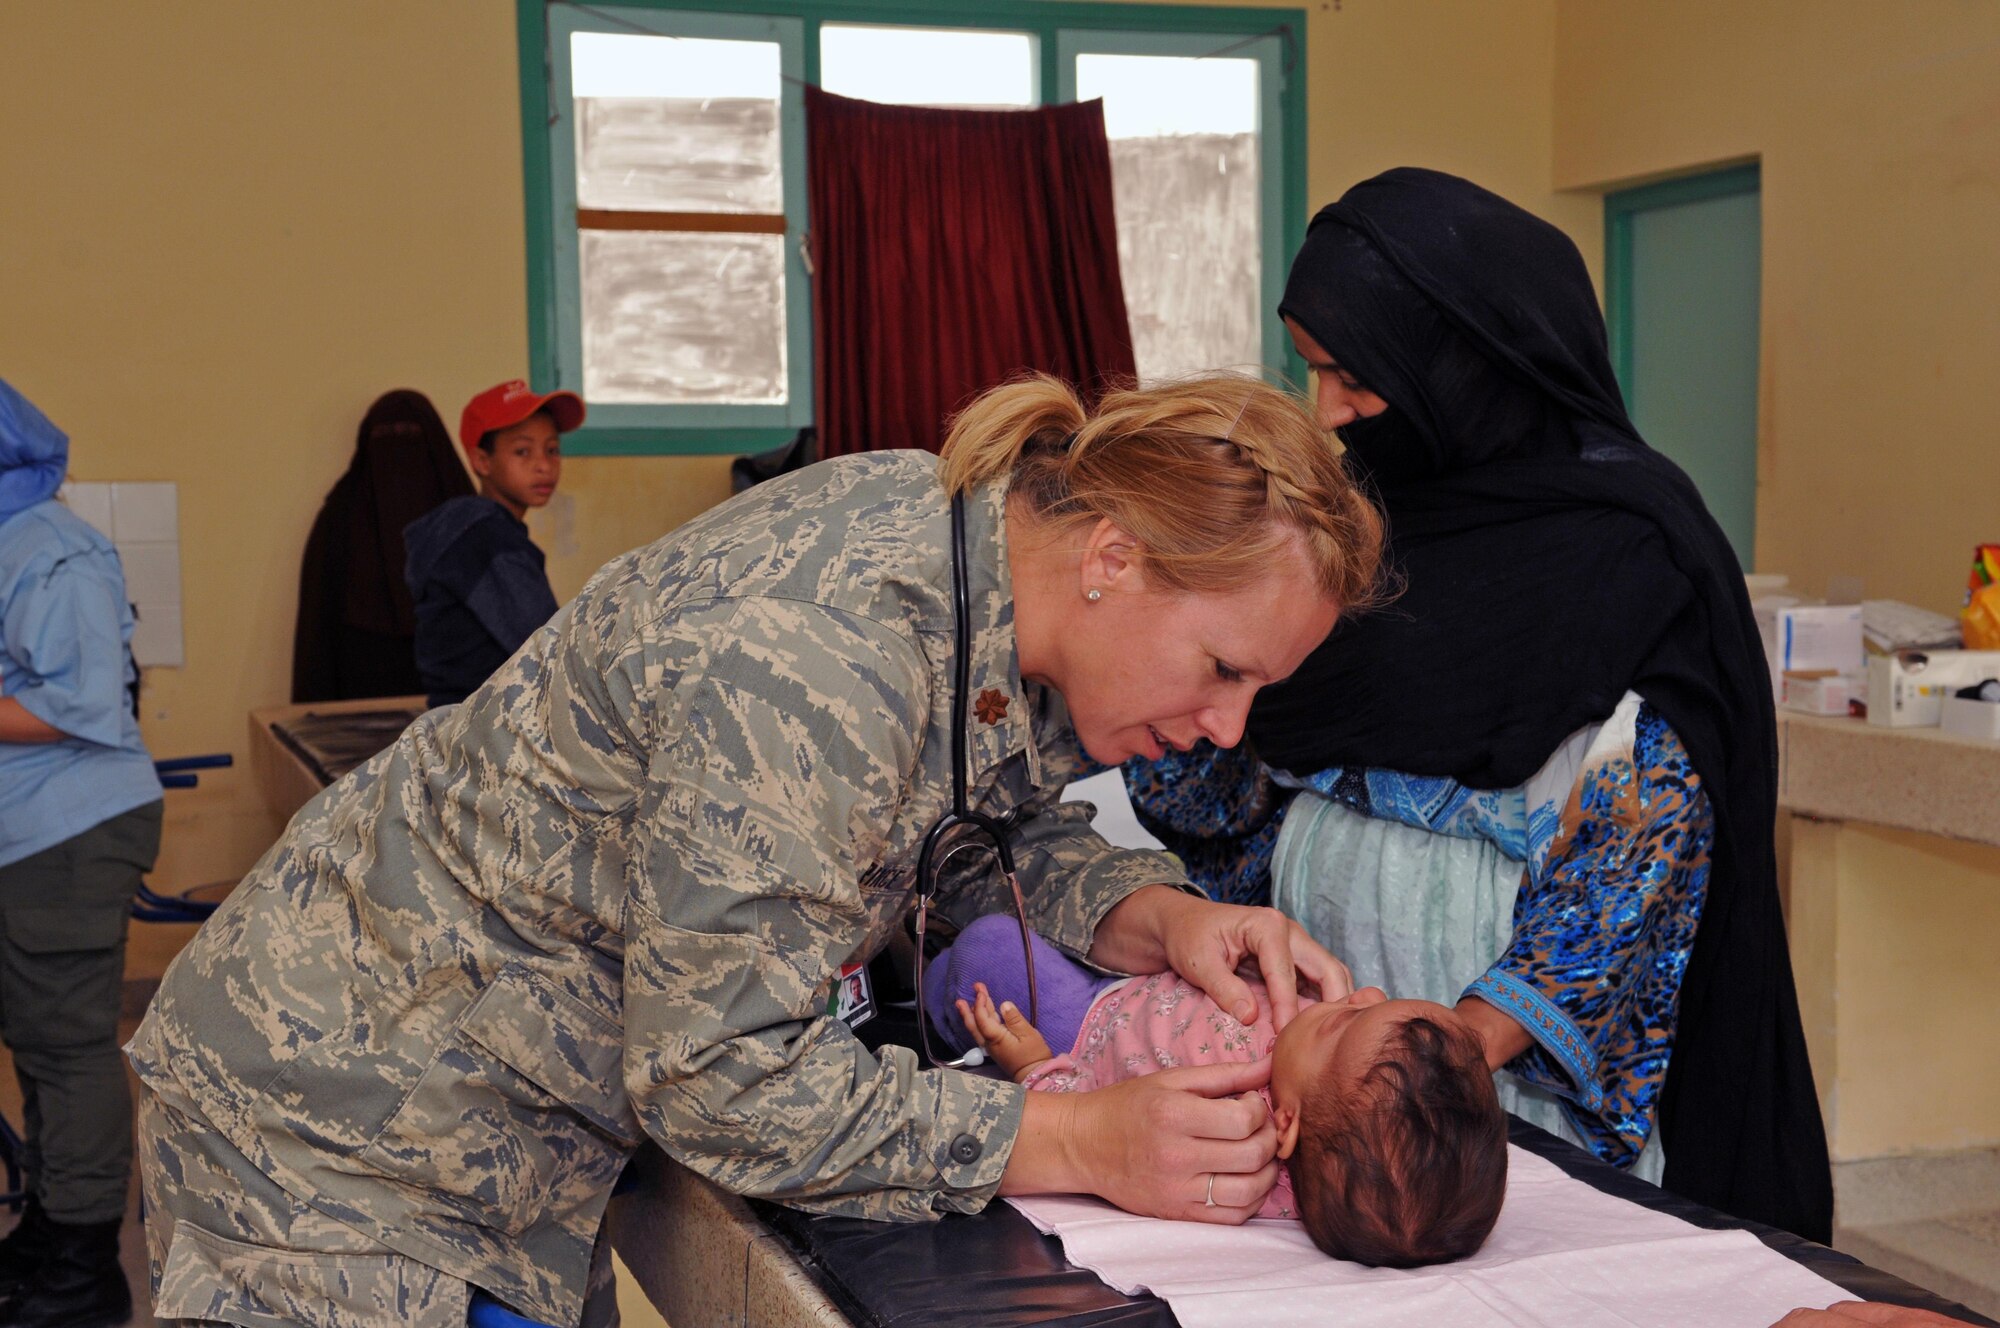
[[1418, 914]]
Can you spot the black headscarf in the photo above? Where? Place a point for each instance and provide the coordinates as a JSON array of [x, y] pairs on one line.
[[1552, 562], [356, 624]]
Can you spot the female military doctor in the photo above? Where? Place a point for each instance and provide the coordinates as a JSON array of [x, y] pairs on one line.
[[606, 897]]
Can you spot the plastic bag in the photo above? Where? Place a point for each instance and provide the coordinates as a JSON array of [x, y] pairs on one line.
[[1981, 615]]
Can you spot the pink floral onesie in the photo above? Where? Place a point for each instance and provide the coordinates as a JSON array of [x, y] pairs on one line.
[[1157, 1023]]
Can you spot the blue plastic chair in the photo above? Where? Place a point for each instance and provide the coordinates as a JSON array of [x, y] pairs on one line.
[[149, 905], [487, 1312]]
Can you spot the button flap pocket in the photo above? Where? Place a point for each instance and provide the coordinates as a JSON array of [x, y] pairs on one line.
[[568, 1050], [210, 1278]]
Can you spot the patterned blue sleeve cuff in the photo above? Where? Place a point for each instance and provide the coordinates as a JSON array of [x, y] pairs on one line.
[[1549, 1027]]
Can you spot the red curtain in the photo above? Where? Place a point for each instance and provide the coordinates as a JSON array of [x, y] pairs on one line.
[[953, 250]]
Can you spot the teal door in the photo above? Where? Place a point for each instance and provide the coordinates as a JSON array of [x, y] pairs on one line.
[[1681, 271]]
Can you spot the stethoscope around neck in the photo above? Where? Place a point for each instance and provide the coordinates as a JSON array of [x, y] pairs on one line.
[[961, 817]]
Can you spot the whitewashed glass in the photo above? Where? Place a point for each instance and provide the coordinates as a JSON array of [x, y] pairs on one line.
[[678, 317], [1185, 182], [643, 154], [668, 124], [671, 124]]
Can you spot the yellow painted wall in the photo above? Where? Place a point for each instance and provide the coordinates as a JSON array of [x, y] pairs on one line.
[[233, 223], [1878, 127], [1892, 943], [230, 226]]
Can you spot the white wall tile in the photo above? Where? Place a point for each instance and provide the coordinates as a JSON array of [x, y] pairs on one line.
[[148, 511], [152, 572], [92, 502], [156, 641]]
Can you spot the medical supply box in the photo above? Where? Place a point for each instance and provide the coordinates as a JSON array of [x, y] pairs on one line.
[[1809, 638], [1820, 691], [1908, 689]]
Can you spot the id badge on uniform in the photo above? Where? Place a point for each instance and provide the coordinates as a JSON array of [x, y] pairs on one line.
[[853, 999]]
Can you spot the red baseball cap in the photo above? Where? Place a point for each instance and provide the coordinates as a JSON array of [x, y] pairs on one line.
[[509, 404]]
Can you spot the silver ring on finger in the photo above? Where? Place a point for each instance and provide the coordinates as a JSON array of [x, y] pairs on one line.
[[1209, 1202]]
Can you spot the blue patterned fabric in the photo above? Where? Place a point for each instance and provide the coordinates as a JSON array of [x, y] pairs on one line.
[[1503, 817], [1616, 861], [1218, 811], [1602, 933]]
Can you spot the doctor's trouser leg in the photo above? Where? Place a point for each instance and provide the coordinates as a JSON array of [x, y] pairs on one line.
[[227, 1245]]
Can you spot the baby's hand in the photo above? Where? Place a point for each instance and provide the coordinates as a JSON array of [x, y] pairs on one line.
[[1005, 1034]]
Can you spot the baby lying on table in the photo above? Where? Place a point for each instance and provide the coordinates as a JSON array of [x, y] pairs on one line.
[[1392, 1144]]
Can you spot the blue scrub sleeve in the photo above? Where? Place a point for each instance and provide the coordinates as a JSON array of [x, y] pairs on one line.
[[64, 629]]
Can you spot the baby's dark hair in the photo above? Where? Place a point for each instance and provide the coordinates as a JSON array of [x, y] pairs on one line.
[[1407, 1166]]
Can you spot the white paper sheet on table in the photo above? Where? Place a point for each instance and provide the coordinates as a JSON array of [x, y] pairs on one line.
[[1563, 1255]]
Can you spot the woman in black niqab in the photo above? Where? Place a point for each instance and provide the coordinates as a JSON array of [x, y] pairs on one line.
[[356, 626], [1551, 563]]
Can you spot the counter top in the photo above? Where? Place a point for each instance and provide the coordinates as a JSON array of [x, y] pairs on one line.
[[1921, 779]]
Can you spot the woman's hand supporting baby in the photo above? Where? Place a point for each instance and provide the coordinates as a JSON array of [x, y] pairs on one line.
[[1160, 927]]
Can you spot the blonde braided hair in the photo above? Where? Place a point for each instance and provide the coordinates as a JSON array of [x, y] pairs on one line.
[[1211, 475]]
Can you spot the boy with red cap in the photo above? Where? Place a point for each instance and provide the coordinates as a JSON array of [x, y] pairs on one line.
[[477, 579]]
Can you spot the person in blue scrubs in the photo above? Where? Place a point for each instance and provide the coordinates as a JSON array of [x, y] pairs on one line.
[[79, 826]]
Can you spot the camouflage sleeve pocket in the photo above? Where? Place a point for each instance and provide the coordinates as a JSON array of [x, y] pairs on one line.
[[490, 1128]]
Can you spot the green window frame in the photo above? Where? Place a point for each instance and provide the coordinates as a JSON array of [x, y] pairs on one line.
[[1061, 31]]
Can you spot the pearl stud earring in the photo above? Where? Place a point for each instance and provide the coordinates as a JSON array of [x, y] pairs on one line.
[[1093, 595]]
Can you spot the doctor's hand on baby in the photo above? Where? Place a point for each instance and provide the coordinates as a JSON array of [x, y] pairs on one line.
[[1340, 1083], [1195, 1142], [1214, 945]]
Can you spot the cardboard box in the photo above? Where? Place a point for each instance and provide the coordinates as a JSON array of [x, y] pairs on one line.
[[1809, 638], [1908, 689], [1821, 692]]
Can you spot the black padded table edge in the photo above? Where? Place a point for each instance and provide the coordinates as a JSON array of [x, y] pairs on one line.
[[996, 1270]]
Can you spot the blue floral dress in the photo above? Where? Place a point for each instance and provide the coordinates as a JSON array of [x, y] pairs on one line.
[[1570, 902]]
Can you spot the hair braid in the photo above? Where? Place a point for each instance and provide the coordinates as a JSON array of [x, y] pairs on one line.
[[1212, 476]]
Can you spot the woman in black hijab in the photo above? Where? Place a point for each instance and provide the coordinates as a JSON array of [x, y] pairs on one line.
[[1546, 777], [356, 626]]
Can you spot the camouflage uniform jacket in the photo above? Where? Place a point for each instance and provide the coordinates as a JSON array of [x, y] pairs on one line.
[[608, 895]]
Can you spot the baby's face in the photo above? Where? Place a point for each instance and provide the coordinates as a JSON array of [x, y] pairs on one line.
[[1346, 1034]]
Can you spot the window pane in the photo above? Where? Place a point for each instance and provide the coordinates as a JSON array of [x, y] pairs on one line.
[[676, 124], [683, 318], [1184, 172], [927, 66]]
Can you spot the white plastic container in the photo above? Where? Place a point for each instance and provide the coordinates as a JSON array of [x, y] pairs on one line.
[[1971, 718], [1908, 689]]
